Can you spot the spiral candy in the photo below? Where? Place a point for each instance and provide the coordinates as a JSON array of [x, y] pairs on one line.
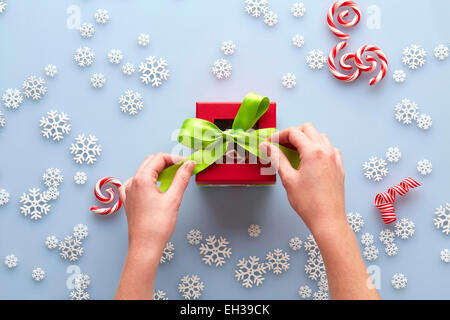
[[106, 199]]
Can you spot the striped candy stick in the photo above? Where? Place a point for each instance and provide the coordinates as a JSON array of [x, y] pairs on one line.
[[108, 198], [342, 17]]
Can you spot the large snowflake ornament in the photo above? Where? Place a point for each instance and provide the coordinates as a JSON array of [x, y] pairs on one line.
[[38, 274], [101, 16], [311, 246], [3, 5], [295, 243], [168, 253], [298, 41], [115, 56], [289, 80], [316, 59], [399, 281], [404, 228], [4, 197], [81, 231], [52, 177], [87, 30], [131, 102], [441, 52], [79, 295], [51, 70], [12, 98], [154, 71], [375, 169], [355, 221], [298, 9], [424, 121], [228, 47], [393, 154], [11, 261], [250, 272], [71, 248], [215, 251], [315, 268], [277, 261], [386, 236], [85, 149], [84, 57], [160, 295], [82, 281], [406, 111], [256, 7], [98, 80], [55, 125], [34, 204], [194, 237], [399, 76], [128, 69], [414, 56], [304, 292], [254, 230], [371, 253], [191, 287], [143, 40], [442, 221], [221, 69], [367, 239], [270, 18], [445, 255], [391, 249], [51, 242], [80, 177], [425, 167], [34, 88]]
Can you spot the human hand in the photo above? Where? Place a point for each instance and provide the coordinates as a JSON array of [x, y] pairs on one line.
[[316, 189], [152, 214]]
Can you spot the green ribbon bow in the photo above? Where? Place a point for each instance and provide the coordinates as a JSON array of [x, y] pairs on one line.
[[210, 143]]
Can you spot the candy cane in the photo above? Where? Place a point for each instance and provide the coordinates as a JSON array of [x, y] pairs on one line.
[[385, 201], [341, 17], [343, 64], [381, 56], [105, 199]]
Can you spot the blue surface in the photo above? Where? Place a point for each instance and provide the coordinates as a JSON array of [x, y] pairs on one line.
[[358, 118]]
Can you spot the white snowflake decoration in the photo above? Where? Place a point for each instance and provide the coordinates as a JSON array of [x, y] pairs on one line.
[[34, 88], [406, 111], [215, 251], [194, 237], [250, 272], [11, 261], [131, 102], [270, 18], [256, 7], [375, 169], [289, 81], [38, 274], [55, 125], [295, 243], [404, 228], [315, 268], [393, 154], [316, 59], [85, 149], [305, 292], [98, 80], [424, 121], [79, 295], [424, 167], [80, 177], [12, 98], [71, 249], [414, 56], [168, 253], [298, 41], [443, 218], [82, 281], [87, 30], [367, 239], [277, 261], [298, 9], [153, 71], [4, 197], [51, 242], [387, 236], [254, 230], [191, 287], [2, 6], [2, 119], [391, 249], [81, 231], [322, 284], [128, 69], [370, 253], [355, 221], [445, 255], [311, 247], [320, 295], [399, 281], [101, 16], [84, 57], [143, 40], [228, 47], [34, 204], [399, 76], [52, 177], [441, 52], [222, 69], [160, 295], [115, 56], [51, 71], [51, 193]]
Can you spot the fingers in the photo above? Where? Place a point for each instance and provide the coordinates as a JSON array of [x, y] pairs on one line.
[[181, 181], [157, 164], [310, 131], [145, 162], [278, 160], [123, 190], [292, 136], [339, 161], [326, 141]]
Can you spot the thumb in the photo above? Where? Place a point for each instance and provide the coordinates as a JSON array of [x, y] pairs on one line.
[[277, 159], [181, 180]]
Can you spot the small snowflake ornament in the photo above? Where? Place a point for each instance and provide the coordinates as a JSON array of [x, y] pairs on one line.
[[445, 255], [222, 69], [131, 102], [154, 71], [399, 76], [128, 69], [4, 197], [71, 248], [370, 253], [3, 5], [441, 52], [115, 56], [393, 154], [190, 287], [387, 236], [316, 59], [298, 41], [194, 237], [424, 167], [254, 230], [320, 295], [98, 80], [355, 221], [55, 126], [375, 169], [51, 71], [414, 56], [12, 98], [322, 284], [34, 88], [11, 261], [101, 16], [143, 40], [228, 47], [406, 111], [168, 253], [160, 295], [270, 19], [215, 251], [298, 9], [34, 204], [51, 193], [250, 272], [367, 239], [51, 242], [304, 292], [442, 221], [391, 249], [84, 57], [85, 149], [79, 295], [289, 80], [399, 281], [80, 177], [2, 119], [80, 231], [87, 30], [277, 261], [295, 243], [424, 122], [404, 228], [256, 7], [38, 274], [82, 282], [52, 177]]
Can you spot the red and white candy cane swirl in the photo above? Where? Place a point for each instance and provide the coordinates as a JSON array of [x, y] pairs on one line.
[[385, 200], [342, 63], [106, 199], [341, 17], [373, 64]]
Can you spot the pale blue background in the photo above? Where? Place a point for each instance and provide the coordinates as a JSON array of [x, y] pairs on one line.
[[358, 118]]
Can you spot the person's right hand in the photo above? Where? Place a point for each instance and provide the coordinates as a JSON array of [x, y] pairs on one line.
[[316, 189]]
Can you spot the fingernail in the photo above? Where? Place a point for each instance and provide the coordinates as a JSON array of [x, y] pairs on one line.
[[189, 164]]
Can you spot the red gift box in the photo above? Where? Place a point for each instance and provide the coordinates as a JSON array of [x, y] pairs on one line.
[[222, 114]]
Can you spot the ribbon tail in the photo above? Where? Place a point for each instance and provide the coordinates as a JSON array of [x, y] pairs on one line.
[[292, 155]]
